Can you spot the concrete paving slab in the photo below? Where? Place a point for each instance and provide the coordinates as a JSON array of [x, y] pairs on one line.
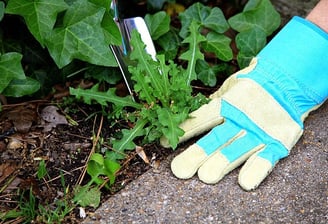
[[295, 192]]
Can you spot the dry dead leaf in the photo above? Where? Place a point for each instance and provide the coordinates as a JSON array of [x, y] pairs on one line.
[[6, 169], [142, 154], [12, 185], [52, 117], [14, 143], [23, 117]]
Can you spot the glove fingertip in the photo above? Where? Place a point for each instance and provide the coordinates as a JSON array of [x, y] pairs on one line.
[[254, 171], [186, 164]]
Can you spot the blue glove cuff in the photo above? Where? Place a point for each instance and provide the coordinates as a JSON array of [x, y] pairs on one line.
[[293, 67]]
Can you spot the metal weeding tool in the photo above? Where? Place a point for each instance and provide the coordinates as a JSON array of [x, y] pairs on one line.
[[121, 52]]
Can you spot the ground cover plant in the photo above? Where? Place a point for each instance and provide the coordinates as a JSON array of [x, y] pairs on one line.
[[70, 132]]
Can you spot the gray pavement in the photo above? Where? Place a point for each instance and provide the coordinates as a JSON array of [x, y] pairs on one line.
[[295, 192]]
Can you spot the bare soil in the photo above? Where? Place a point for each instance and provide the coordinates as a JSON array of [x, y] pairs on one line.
[[65, 150]]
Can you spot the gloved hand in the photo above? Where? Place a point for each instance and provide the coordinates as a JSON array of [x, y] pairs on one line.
[[261, 108]]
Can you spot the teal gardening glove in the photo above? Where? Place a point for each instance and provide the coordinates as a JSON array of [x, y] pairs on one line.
[[261, 109]]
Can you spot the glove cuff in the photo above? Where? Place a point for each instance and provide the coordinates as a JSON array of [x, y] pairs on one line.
[[293, 68]]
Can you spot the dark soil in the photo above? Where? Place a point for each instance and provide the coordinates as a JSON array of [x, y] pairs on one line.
[[65, 150]]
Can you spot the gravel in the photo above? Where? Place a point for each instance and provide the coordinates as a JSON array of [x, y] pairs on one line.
[[295, 192]]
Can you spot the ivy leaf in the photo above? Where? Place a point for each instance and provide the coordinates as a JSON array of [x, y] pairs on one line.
[[170, 124], [249, 44], [193, 53], [111, 31], [10, 68], [206, 73], [103, 3], [22, 87], [158, 24], [256, 13], [219, 44], [216, 21], [40, 15], [170, 43], [211, 18], [81, 37], [103, 97]]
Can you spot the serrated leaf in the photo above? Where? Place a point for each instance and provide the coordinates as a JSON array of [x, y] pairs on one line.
[[158, 24], [147, 67], [257, 13], [10, 68], [81, 37], [103, 98], [170, 124], [40, 15], [218, 44], [87, 196], [21, 87], [193, 53], [126, 142]]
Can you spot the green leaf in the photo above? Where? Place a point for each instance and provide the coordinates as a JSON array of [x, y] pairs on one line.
[[218, 44], [193, 53], [2, 10], [147, 67], [170, 124], [257, 13], [42, 171], [156, 4], [111, 168], [158, 24], [98, 166], [206, 73], [170, 43], [11, 214], [249, 44], [81, 37], [210, 18], [40, 15], [21, 87], [103, 3], [216, 21], [112, 33], [126, 142], [103, 98], [10, 68], [86, 196]]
